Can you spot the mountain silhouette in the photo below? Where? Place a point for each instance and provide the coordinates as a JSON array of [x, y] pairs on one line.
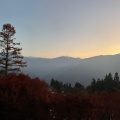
[[72, 70]]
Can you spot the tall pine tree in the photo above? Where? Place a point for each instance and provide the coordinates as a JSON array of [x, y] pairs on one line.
[[10, 55]]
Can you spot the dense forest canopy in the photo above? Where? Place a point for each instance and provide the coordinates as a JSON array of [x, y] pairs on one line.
[[108, 84], [22, 97]]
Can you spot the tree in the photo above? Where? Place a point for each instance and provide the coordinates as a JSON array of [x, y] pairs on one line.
[[10, 55], [116, 78], [93, 85], [78, 85]]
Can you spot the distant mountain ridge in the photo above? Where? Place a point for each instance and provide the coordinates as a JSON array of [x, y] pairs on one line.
[[71, 70]]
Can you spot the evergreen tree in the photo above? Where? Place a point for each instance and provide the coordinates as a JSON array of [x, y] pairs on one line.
[[116, 77], [110, 78], [52, 82], [116, 80], [10, 55], [93, 85], [78, 85]]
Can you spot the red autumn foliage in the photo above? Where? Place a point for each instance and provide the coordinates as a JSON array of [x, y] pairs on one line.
[[106, 106], [24, 93], [22, 97]]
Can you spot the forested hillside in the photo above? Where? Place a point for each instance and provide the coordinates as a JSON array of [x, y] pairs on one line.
[[72, 70], [22, 97]]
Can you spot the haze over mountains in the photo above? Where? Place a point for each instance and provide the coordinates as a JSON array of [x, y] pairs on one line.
[[71, 70]]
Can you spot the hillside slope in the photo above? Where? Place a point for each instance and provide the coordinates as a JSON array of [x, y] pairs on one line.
[[71, 70]]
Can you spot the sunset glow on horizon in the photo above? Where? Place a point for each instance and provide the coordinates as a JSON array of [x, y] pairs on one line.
[[53, 28]]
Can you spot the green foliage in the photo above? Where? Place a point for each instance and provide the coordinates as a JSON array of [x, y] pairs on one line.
[[60, 87], [66, 88], [78, 85], [107, 84]]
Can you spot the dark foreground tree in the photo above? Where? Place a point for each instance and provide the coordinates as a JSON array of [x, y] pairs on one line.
[[10, 55]]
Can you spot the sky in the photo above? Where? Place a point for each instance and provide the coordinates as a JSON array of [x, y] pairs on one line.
[[53, 28]]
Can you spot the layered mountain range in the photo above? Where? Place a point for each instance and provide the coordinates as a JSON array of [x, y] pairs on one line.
[[72, 70]]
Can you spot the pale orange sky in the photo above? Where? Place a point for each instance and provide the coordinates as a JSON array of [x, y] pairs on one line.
[[76, 28]]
